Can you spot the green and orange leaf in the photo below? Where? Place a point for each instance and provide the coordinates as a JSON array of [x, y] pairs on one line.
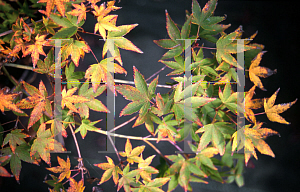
[[76, 187], [15, 137], [110, 170]]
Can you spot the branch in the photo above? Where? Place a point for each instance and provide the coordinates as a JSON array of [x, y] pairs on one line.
[[18, 66]]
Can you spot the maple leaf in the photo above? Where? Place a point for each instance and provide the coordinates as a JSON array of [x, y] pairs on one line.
[[37, 100], [98, 73], [68, 98], [174, 44], [45, 143], [110, 170], [50, 25], [76, 187], [15, 137], [80, 11], [3, 171], [215, 133], [205, 19], [76, 49], [85, 126], [196, 101], [251, 104], [94, 103], [21, 153], [20, 45], [226, 45], [272, 111], [105, 21], [140, 95], [50, 5], [230, 99], [152, 185], [7, 101], [36, 49], [132, 154], [251, 138], [127, 180], [145, 171], [185, 167], [165, 128], [120, 41], [63, 169], [48, 65], [57, 186], [256, 71]]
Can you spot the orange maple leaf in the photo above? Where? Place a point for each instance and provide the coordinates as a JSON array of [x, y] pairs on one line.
[[256, 71], [76, 187], [50, 5], [251, 104], [37, 100], [36, 49], [132, 154], [272, 111], [68, 98], [110, 170], [76, 49], [80, 11], [7, 101], [63, 169]]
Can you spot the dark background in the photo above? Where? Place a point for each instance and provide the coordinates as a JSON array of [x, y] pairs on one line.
[[276, 23]]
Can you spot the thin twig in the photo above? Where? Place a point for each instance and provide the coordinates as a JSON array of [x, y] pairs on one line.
[[9, 77], [123, 124], [18, 66], [11, 31], [157, 151], [156, 73], [78, 150], [113, 144]]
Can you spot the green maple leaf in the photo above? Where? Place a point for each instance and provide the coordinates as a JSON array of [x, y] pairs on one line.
[[86, 125], [185, 167], [48, 65], [15, 137], [127, 179], [196, 101], [45, 143], [94, 104], [152, 186], [229, 99], [21, 153], [73, 77], [69, 25], [175, 45], [140, 95], [120, 42], [110, 170], [226, 45], [215, 133], [205, 19]]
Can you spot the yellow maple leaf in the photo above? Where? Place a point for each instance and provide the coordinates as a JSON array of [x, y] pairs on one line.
[[68, 99], [251, 104], [256, 71], [272, 111], [36, 49], [132, 154], [63, 169], [105, 21]]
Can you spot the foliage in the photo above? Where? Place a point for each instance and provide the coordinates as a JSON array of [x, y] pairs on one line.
[[213, 108]]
